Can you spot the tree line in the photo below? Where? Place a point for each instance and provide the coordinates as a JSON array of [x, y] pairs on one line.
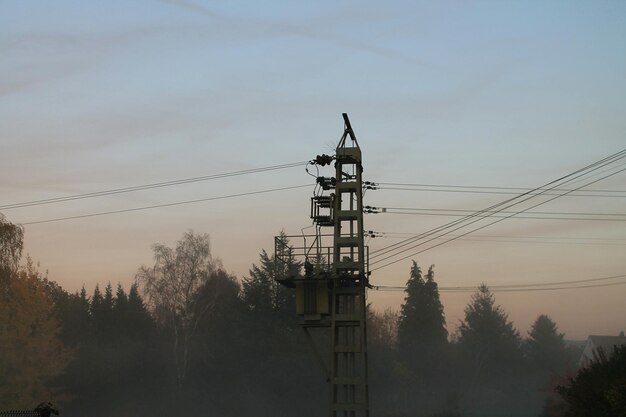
[[188, 337]]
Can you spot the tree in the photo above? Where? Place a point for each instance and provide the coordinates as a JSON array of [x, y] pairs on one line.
[[422, 330], [31, 353], [488, 347], [545, 347], [217, 362], [422, 344], [261, 292], [486, 333], [598, 390], [382, 328], [171, 287], [11, 244], [138, 318]]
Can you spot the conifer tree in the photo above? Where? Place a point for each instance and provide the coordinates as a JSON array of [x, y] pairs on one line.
[[488, 338], [261, 293], [422, 328], [95, 306], [545, 347]]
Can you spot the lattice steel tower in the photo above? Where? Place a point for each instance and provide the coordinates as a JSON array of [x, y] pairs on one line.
[[332, 291]]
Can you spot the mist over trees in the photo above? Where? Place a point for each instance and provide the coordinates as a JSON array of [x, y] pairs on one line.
[[188, 337]]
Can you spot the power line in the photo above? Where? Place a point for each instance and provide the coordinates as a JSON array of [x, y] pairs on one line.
[[519, 289], [544, 286], [510, 190], [476, 229], [165, 205], [441, 213], [505, 212], [518, 237], [510, 239], [553, 184], [569, 178], [150, 186], [479, 191]]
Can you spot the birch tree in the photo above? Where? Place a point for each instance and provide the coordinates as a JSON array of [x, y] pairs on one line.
[[171, 288]]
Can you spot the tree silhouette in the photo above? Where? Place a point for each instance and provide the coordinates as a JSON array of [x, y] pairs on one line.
[[486, 329], [422, 330], [598, 390], [545, 347], [32, 353], [422, 341], [261, 292], [171, 287], [11, 244]]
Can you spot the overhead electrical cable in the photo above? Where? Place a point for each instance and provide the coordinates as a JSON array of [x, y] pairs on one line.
[[539, 240], [492, 189], [478, 228], [489, 211], [542, 189], [548, 213], [493, 192], [540, 286], [150, 186], [473, 230], [618, 194], [443, 289], [517, 237], [82, 216], [529, 216], [471, 188]]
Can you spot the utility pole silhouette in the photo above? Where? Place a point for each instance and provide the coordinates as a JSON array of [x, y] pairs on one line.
[[331, 293]]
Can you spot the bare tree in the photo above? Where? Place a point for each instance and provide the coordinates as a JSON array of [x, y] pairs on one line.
[[171, 288], [11, 244]]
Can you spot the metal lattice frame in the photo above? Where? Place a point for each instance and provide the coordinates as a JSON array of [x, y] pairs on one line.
[[349, 382]]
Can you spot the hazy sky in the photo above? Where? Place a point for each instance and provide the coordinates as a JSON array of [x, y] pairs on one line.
[[104, 95]]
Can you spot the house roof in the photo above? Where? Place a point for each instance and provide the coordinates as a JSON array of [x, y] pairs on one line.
[[597, 343], [607, 342]]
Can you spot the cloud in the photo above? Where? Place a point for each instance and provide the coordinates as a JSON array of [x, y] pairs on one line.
[[35, 59], [321, 28], [194, 7]]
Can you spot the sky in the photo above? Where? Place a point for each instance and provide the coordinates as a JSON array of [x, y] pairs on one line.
[[98, 96]]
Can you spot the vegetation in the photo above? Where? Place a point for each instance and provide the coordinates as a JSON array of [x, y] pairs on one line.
[[598, 390], [190, 338]]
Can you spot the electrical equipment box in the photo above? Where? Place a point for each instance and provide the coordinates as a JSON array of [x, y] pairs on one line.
[[312, 298]]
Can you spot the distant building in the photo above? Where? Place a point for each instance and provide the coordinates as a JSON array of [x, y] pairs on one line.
[[596, 343]]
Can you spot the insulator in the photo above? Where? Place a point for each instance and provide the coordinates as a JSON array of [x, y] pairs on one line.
[[323, 159], [326, 182]]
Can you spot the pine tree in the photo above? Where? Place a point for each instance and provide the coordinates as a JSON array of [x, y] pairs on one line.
[[422, 327], [259, 287], [121, 299], [95, 307], [545, 347], [262, 293], [487, 336]]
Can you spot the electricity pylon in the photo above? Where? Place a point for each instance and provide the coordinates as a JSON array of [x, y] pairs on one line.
[[332, 291]]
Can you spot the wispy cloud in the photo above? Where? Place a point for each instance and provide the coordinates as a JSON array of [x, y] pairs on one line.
[[322, 28], [194, 7], [34, 59]]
